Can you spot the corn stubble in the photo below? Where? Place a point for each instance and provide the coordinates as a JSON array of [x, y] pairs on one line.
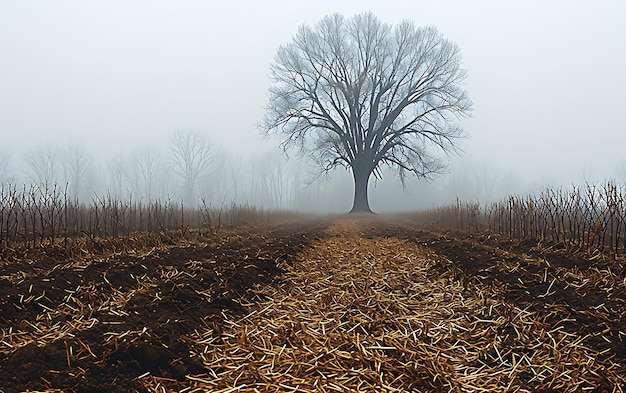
[[363, 313], [361, 304], [589, 218]]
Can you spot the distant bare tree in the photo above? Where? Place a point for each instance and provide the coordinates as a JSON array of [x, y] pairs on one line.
[[76, 164], [42, 164], [360, 94], [117, 168], [237, 176], [193, 153], [5, 160], [255, 179], [275, 180], [143, 172], [488, 182]]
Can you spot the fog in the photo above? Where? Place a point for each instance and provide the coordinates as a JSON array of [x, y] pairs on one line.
[[115, 80]]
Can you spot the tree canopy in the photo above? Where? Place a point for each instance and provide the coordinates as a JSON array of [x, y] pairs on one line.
[[363, 94]]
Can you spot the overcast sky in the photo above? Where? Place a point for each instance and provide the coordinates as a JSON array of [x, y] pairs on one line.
[[547, 78]]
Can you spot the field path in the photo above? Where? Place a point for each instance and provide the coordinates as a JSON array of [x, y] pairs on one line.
[[347, 315], [368, 308]]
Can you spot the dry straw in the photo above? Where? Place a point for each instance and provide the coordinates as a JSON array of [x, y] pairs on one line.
[[383, 314], [362, 312]]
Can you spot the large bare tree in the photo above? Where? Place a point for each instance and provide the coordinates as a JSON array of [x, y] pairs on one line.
[[193, 153], [362, 94]]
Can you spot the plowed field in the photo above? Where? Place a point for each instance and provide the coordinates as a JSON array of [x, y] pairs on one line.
[[345, 304]]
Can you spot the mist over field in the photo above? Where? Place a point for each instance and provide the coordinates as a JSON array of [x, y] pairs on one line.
[[175, 178], [92, 94]]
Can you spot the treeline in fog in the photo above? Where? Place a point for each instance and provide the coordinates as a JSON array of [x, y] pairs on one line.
[[191, 170]]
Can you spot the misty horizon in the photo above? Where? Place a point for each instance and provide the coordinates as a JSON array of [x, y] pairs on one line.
[[122, 80]]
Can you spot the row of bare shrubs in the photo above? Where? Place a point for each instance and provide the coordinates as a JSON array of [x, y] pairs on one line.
[[583, 218], [35, 216]]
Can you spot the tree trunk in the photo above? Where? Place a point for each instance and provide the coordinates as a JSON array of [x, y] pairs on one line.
[[361, 179]]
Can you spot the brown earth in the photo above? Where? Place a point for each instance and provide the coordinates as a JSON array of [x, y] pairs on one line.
[[346, 304]]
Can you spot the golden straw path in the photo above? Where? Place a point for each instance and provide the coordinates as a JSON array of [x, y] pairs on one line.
[[360, 311]]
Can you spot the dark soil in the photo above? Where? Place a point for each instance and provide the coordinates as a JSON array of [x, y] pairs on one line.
[[573, 291], [167, 293], [159, 296]]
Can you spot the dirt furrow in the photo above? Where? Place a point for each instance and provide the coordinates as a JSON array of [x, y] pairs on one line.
[[99, 325]]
